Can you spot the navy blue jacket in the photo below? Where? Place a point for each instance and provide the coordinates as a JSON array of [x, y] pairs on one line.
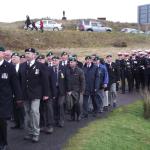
[[34, 81], [92, 79], [60, 89], [9, 86]]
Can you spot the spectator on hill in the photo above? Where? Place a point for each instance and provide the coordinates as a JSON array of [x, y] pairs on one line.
[[28, 21], [41, 25]]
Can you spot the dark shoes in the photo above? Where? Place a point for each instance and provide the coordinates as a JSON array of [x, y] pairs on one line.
[[49, 130], [84, 116], [33, 138], [3, 147], [114, 105], [17, 127]]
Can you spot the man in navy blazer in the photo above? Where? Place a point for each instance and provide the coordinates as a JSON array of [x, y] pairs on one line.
[[58, 81], [35, 85]]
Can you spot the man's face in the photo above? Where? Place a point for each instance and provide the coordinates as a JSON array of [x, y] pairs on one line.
[[88, 61], [1, 55], [41, 61], [49, 58], [15, 59], [72, 64], [109, 59], [22, 60], [64, 57], [29, 56], [7, 55], [56, 62]]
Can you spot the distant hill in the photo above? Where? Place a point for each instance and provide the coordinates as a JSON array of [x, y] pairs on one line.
[[13, 36]]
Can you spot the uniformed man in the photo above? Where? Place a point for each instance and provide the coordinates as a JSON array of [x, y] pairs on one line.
[[46, 107], [58, 83], [34, 81], [75, 87], [18, 110], [113, 73], [79, 63], [7, 55], [22, 59], [9, 86], [49, 60], [127, 71], [118, 62], [147, 71], [92, 78], [135, 71], [64, 59]]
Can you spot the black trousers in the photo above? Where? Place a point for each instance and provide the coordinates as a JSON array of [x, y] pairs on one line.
[[58, 106], [46, 113], [135, 80], [19, 114], [128, 76], [76, 109], [3, 132]]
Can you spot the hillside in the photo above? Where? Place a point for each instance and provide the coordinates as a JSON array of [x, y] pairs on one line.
[[13, 36]]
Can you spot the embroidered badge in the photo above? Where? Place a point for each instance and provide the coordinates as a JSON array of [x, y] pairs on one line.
[[37, 71], [62, 75], [4, 76]]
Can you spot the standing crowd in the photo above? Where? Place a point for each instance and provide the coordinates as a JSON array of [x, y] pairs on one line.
[[40, 90]]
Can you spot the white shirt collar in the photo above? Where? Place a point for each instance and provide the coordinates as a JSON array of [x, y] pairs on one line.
[[9, 60], [17, 67], [1, 62], [32, 62]]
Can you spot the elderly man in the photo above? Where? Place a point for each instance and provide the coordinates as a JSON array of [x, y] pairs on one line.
[[34, 82], [9, 86]]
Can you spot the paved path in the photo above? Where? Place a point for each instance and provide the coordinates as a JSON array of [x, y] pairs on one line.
[[56, 140]]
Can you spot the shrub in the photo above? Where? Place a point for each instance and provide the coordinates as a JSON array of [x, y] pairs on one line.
[[120, 44], [146, 104]]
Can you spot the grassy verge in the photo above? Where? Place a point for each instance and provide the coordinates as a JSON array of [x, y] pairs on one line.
[[124, 129]]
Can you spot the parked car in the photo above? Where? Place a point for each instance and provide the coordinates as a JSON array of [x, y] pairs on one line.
[[92, 26], [50, 25], [131, 30]]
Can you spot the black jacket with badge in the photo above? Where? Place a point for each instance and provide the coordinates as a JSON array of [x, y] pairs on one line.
[[113, 73], [9, 86], [58, 85], [34, 81]]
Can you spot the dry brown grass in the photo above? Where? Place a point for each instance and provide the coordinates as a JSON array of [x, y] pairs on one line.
[[20, 39]]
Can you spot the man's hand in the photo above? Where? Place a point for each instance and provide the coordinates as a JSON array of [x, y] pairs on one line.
[[105, 85], [19, 103], [45, 98], [69, 93]]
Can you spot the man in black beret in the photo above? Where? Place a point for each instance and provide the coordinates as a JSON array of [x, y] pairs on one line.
[[9, 86], [64, 59], [49, 57], [22, 59], [17, 110], [35, 85], [92, 77], [58, 84]]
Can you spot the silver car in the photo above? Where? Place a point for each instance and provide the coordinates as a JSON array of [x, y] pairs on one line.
[[92, 26], [50, 25]]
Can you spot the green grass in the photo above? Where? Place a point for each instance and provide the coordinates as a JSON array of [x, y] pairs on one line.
[[124, 129]]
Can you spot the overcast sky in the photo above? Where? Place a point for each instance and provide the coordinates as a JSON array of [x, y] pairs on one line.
[[113, 10]]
